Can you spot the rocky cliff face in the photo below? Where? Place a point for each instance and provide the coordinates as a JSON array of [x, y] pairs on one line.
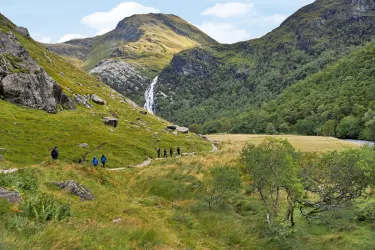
[[24, 82], [122, 77]]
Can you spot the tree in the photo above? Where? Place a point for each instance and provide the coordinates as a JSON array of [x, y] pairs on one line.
[[273, 168], [349, 128], [270, 129], [370, 129], [337, 179], [329, 128]]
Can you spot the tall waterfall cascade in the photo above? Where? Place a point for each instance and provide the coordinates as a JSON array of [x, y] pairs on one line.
[[150, 98]]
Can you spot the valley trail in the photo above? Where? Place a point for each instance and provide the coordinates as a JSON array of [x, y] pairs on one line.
[[149, 160]]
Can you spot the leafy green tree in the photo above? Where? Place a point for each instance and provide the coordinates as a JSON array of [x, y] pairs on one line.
[[336, 179], [270, 129], [349, 127], [273, 167], [329, 128], [370, 129]]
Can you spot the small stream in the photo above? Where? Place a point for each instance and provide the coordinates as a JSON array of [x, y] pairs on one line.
[[150, 98], [360, 142]]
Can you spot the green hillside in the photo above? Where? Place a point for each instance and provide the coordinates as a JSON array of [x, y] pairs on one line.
[[338, 101], [28, 135], [218, 82], [138, 49]]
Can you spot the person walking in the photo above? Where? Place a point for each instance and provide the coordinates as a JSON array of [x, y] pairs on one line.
[[178, 151], [158, 151], [165, 153], [103, 160], [55, 153], [171, 152], [95, 162]]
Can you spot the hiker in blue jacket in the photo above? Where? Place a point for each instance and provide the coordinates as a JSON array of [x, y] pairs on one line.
[[95, 162], [103, 159]]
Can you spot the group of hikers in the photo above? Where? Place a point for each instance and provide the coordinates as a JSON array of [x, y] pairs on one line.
[[170, 152], [103, 159], [94, 162]]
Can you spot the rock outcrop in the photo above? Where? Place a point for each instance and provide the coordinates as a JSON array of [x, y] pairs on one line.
[[95, 98], [24, 82], [23, 31], [75, 188], [83, 100], [121, 76], [11, 196], [110, 121]]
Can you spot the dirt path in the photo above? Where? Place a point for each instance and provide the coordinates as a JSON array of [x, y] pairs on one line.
[[149, 160], [142, 165]]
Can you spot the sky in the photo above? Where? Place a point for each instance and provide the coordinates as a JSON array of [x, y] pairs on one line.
[[52, 21]]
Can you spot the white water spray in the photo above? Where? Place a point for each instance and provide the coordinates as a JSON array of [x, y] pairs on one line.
[[149, 96]]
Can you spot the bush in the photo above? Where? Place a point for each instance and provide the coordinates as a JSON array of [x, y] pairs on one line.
[[23, 226], [45, 207], [221, 184], [24, 180], [183, 219]]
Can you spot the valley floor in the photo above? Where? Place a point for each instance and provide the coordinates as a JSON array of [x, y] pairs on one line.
[[162, 207]]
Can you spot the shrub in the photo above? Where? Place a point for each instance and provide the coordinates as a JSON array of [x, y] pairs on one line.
[[221, 184], [24, 180], [45, 207]]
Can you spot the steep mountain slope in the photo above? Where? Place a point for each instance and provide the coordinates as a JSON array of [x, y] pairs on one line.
[[338, 101], [138, 49], [28, 134], [212, 82]]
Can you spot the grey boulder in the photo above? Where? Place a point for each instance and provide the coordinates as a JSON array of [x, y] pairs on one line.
[[95, 98], [75, 188], [10, 196]]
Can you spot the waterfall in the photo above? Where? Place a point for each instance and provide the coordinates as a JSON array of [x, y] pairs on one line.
[[149, 97]]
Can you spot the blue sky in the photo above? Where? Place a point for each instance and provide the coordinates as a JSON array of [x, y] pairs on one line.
[[226, 21]]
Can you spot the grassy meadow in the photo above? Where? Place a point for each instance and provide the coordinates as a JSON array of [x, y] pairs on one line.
[[163, 206]]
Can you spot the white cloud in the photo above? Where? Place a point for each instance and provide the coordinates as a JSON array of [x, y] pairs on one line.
[[274, 19], [106, 21], [68, 37], [40, 38], [224, 32], [229, 9]]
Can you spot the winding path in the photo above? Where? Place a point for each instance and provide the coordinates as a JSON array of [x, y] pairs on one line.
[[149, 161]]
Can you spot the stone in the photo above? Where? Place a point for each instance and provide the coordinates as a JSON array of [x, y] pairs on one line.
[[84, 145], [110, 121], [204, 138], [183, 130], [8, 171], [117, 221], [175, 133], [61, 74], [23, 31], [11, 196], [31, 85], [172, 127], [1, 157], [111, 130], [47, 57], [143, 112], [95, 98], [3, 149], [82, 100], [76, 189]]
